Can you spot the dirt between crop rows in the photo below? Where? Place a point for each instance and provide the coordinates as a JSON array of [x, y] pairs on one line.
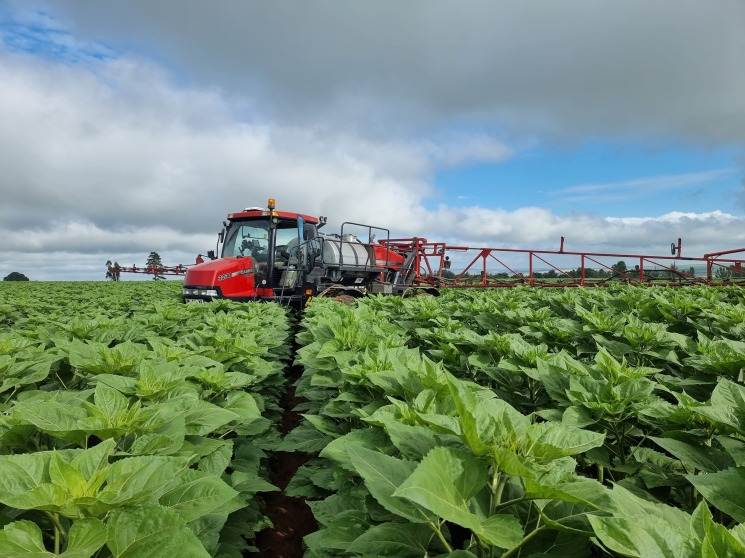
[[291, 517]]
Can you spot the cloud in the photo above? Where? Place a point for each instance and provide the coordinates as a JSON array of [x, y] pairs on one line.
[[114, 159], [111, 158], [87, 238], [130, 149], [540, 228], [529, 68]]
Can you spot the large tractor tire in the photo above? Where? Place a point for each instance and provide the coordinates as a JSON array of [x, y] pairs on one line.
[[345, 299]]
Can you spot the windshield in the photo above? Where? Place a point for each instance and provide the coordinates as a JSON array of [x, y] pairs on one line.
[[247, 238], [251, 238]]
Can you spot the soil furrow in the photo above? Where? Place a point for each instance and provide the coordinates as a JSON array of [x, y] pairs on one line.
[[292, 518]]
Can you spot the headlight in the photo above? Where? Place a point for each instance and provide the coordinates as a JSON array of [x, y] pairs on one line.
[[200, 292]]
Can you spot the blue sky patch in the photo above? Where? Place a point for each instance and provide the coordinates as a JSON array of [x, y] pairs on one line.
[[601, 178], [37, 32]]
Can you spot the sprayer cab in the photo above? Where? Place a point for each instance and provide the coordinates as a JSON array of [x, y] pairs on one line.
[[281, 256], [264, 255]]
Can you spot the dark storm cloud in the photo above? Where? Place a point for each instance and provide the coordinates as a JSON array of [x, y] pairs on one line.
[[640, 68]]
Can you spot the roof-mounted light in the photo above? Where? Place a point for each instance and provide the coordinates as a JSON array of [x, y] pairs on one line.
[[270, 204]]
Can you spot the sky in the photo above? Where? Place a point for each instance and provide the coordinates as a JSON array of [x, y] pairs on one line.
[[128, 127]]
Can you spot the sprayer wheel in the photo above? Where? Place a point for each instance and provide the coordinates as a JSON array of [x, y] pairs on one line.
[[345, 299]]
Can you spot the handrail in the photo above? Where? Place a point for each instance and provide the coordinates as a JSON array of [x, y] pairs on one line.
[[369, 236]]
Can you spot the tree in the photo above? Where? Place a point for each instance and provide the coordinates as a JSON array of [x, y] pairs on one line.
[[723, 273], [155, 266], [447, 274], [15, 276], [673, 270], [113, 271], [619, 267]]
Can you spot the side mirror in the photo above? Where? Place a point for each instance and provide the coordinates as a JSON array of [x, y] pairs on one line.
[[221, 236], [211, 254]]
